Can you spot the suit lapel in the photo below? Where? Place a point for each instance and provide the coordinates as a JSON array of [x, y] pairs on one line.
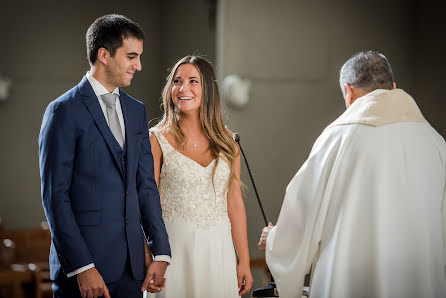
[[129, 142], [92, 103]]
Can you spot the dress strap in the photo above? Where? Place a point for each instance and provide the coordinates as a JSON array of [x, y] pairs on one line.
[[164, 144]]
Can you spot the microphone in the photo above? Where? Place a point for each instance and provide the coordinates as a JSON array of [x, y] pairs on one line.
[[236, 138]]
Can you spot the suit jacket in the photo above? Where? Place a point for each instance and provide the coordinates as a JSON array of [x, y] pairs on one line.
[[97, 196]]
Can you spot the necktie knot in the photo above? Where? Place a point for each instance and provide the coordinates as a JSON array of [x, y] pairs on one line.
[[110, 99]]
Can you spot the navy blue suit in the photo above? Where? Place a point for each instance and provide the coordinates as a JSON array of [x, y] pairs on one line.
[[98, 197]]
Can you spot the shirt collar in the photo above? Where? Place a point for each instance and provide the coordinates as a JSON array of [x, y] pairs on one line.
[[98, 88]]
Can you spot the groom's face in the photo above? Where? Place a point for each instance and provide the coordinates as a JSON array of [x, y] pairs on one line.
[[127, 60]]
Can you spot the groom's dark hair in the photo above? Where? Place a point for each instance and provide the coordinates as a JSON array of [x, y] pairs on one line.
[[108, 32]]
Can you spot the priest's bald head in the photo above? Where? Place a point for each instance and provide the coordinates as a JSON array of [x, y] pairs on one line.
[[363, 73]]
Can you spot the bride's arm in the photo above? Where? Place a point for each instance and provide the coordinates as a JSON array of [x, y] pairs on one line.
[[237, 216], [157, 156], [148, 258]]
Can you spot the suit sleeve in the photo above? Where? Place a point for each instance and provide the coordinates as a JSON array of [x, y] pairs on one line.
[[149, 200], [57, 143]]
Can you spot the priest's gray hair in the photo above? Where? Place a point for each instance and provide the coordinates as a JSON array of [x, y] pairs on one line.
[[368, 70]]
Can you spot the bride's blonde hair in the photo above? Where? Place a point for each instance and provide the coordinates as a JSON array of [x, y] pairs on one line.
[[220, 138]]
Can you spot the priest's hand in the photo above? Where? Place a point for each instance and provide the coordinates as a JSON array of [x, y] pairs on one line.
[[264, 236]]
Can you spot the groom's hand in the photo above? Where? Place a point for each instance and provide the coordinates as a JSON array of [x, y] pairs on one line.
[[91, 284], [155, 281]]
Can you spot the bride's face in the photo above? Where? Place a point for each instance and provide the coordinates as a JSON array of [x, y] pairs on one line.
[[187, 89]]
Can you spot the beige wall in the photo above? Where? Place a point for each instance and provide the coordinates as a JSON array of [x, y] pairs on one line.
[[43, 52], [292, 51]]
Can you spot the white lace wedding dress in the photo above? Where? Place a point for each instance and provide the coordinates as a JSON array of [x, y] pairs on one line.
[[195, 213]]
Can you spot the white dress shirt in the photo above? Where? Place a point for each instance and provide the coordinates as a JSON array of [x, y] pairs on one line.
[[99, 90]]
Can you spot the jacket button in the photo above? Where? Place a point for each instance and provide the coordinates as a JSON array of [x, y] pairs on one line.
[[126, 221]]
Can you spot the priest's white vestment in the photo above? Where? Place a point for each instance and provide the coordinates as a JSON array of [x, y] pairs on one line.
[[367, 208]]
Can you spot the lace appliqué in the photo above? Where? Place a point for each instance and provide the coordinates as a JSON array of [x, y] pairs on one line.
[[186, 187]]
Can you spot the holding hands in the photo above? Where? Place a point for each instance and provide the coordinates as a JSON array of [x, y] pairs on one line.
[[155, 280]]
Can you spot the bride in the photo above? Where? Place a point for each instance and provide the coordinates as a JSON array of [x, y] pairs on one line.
[[197, 168]]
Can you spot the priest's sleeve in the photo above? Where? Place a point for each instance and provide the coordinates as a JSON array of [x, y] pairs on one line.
[[443, 215], [292, 245]]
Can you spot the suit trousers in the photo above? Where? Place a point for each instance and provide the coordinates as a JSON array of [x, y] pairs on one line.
[[125, 287]]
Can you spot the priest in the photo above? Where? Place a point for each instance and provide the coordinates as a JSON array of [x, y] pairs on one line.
[[367, 210]]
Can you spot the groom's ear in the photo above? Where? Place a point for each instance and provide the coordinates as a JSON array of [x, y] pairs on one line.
[[103, 55]]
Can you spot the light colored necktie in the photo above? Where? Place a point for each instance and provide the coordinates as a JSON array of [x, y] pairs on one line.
[[113, 121]]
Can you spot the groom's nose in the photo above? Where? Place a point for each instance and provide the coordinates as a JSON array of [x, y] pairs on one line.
[[137, 65]]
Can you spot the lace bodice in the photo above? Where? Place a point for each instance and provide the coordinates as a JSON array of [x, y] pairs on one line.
[[186, 187]]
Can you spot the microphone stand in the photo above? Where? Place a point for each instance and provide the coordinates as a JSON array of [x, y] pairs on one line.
[[237, 140], [270, 290]]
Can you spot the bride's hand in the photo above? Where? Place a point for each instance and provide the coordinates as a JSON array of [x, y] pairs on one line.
[[244, 277]]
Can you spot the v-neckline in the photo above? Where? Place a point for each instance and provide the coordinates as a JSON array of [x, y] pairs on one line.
[[187, 157]]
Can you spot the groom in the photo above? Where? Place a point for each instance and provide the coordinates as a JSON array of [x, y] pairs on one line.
[[96, 167]]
